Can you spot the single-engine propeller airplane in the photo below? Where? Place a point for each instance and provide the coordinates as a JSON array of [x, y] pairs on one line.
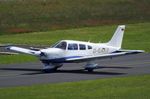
[[70, 51]]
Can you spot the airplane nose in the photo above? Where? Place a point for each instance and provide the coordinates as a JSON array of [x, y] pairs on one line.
[[51, 52], [42, 54]]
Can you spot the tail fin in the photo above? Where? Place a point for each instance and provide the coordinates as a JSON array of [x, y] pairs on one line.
[[116, 40]]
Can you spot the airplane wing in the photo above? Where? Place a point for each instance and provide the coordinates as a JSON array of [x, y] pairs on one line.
[[23, 50], [111, 55]]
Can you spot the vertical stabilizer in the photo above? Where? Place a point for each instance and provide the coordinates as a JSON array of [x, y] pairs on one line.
[[116, 40]]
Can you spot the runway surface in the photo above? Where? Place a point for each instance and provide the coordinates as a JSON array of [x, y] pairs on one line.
[[30, 73]]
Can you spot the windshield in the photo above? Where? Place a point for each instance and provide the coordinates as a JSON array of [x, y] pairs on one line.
[[61, 45]]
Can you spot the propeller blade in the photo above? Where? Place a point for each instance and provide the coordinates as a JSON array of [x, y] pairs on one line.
[[42, 54]]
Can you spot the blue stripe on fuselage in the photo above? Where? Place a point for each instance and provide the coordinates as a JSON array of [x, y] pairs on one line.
[[60, 60], [69, 57]]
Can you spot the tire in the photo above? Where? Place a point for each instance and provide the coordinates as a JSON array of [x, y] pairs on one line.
[[90, 70], [50, 70]]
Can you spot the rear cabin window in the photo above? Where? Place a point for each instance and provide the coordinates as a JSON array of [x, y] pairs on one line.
[[82, 47], [89, 47], [73, 46]]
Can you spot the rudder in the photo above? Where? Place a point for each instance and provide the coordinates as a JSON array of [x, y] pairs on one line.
[[116, 40]]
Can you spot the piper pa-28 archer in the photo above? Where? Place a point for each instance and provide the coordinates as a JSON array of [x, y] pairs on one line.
[[70, 51]]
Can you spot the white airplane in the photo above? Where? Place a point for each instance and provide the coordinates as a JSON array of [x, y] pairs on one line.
[[70, 51]]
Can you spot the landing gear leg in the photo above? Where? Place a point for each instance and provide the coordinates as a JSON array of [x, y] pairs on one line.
[[90, 69], [49, 67]]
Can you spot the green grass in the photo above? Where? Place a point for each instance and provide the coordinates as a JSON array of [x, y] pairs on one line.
[[41, 15], [136, 37], [136, 87], [10, 59]]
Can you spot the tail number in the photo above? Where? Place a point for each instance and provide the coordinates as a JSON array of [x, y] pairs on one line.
[[100, 50]]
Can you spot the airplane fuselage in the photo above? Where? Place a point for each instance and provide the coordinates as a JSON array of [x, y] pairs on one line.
[[74, 49]]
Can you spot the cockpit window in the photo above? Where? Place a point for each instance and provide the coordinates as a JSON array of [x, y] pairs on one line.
[[61, 45], [73, 46], [54, 44]]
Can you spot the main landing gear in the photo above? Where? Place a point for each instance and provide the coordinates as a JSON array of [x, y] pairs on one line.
[[90, 66], [51, 67]]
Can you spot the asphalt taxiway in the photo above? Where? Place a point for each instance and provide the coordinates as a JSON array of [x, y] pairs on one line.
[[30, 73]]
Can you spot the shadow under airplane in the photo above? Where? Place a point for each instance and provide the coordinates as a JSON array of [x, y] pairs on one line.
[[77, 71]]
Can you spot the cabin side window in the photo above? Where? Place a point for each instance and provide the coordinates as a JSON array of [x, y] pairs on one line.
[[73, 46], [82, 47]]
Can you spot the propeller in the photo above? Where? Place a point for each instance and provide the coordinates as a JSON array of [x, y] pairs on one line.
[[42, 54]]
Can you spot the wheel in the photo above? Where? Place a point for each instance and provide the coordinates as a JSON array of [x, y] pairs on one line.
[[55, 69], [90, 70], [50, 70]]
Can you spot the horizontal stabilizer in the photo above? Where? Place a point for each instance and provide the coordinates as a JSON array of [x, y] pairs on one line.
[[132, 51]]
